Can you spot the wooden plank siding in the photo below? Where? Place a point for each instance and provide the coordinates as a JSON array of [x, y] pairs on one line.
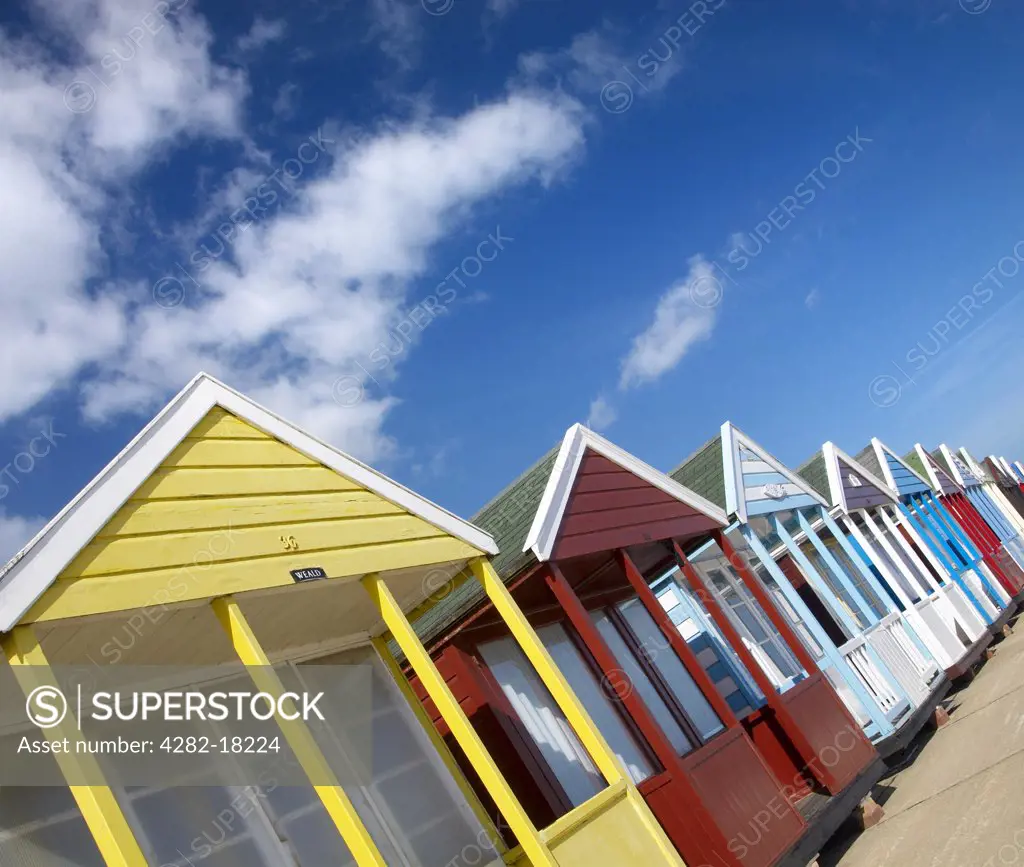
[[906, 481], [863, 495], [609, 507], [759, 477], [228, 506], [966, 473], [946, 483]]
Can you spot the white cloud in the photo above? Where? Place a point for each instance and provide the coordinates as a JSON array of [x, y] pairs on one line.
[[15, 532], [397, 26], [501, 8], [599, 57], [684, 316], [602, 414], [316, 288], [64, 145], [311, 288], [812, 299], [284, 102], [261, 34]]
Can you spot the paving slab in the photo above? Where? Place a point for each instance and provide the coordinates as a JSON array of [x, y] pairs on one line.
[[960, 801]]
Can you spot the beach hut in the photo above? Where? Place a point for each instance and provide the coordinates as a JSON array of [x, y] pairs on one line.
[[941, 534], [890, 558], [1001, 558], [583, 534], [813, 569], [225, 549], [1014, 476], [991, 491], [981, 495], [1007, 484]]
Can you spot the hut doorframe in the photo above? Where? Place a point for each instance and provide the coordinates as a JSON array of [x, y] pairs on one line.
[[955, 534], [773, 699], [295, 731], [98, 804], [930, 536], [883, 727]]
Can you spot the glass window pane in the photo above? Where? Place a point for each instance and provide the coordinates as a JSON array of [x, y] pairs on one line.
[[876, 605], [543, 720], [756, 630], [42, 826], [898, 570], [641, 683], [671, 669], [825, 574], [599, 705], [381, 755]]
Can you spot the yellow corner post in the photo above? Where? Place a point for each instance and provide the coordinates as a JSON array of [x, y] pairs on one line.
[[299, 737], [588, 733], [433, 682], [100, 809], [381, 645]]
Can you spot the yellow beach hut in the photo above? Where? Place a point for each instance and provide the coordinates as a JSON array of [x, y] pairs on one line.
[[222, 536]]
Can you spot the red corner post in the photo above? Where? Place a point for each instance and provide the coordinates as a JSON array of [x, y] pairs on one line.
[[675, 640], [611, 670], [793, 731], [783, 626], [704, 830]]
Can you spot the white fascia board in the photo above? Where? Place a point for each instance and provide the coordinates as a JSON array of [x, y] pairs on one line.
[[838, 454], [33, 569], [548, 519]]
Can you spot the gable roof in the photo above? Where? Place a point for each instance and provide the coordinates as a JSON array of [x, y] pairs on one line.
[[955, 466], [508, 518], [835, 459], [704, 472], [1012, 471], [33, 569], [511, 515], [879, 455], [913, 460], [998, 471], [577, 441], [977, 468], [815, 473], [939, 478], [869, 458], [736, 454]]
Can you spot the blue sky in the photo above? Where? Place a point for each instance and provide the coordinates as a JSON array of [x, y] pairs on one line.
[[438, 233]]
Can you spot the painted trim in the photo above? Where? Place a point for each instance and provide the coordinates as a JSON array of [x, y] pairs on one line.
[[732, 478], [33, 569], [98, 804], [323, 780], [554, 680], [934, 540], [735, 500], [529, 837], [869, 616], [829, 650], [380, 644], [817, 581], [977, 468], [954, 469], [881, 450], [1010, 471], [833, 454], [548, 520], [933, 468]]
